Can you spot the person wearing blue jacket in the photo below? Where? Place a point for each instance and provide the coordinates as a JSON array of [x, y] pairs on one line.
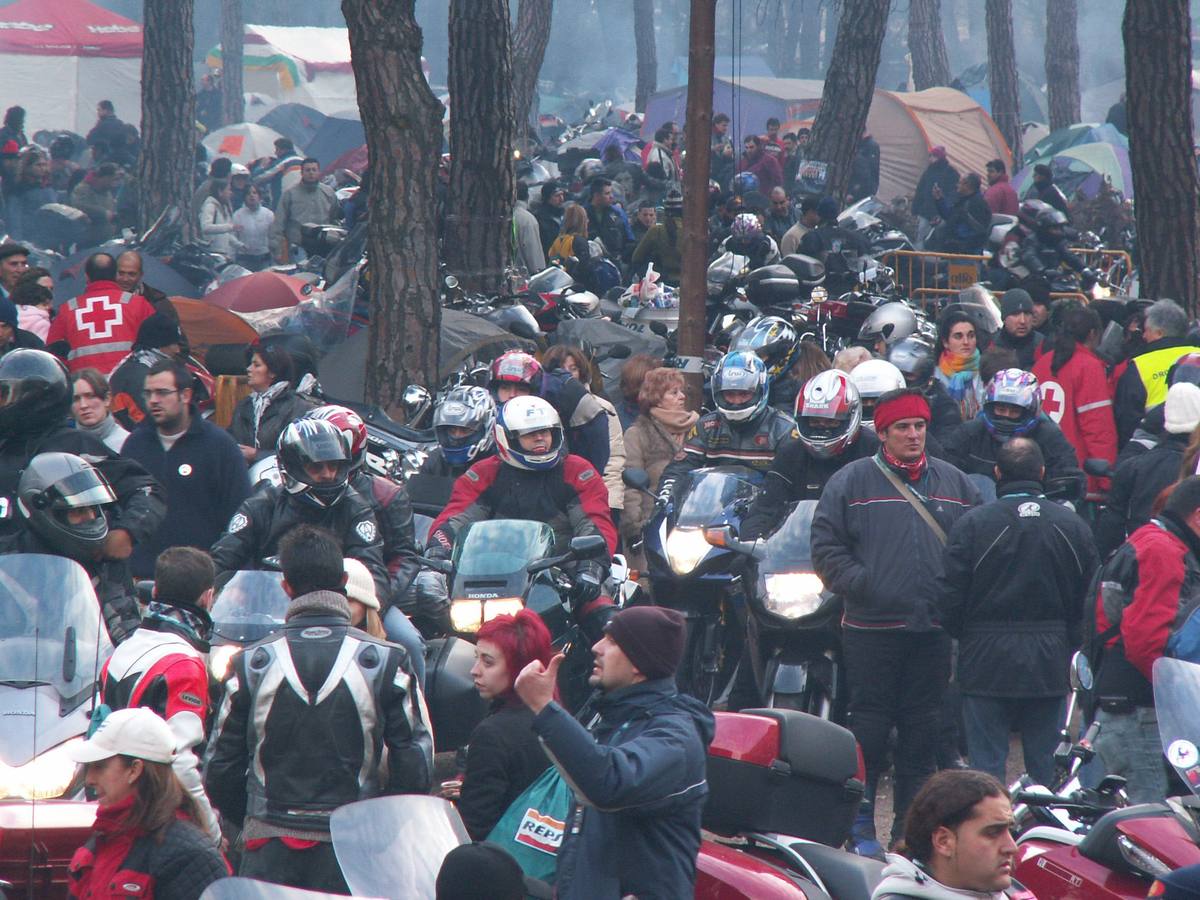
[[636, 767]]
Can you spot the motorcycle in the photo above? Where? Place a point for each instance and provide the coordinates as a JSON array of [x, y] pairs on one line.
[[793, 640], [251, 606], [54, 645]]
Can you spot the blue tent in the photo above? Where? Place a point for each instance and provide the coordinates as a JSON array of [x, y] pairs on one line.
[[339, 133], [296, 121]]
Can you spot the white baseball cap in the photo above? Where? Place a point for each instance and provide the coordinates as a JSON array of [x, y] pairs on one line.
[[360, 585], [136, 732]]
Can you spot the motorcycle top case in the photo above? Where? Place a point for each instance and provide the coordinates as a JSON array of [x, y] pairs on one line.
[[772, 286], [782, 771]]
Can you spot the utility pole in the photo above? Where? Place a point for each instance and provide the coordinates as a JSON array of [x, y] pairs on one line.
[[693, 291]]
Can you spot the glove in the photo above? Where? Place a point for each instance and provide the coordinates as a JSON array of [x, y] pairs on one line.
[[665, 490], [437, 551], [587, 584]]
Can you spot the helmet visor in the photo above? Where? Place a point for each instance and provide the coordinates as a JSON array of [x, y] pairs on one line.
[[81, 489]]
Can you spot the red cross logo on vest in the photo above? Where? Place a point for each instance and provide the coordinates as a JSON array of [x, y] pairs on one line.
[[1053, 400], [99, 316]]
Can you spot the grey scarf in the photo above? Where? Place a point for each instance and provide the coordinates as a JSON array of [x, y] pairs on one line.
[[319, 603], [262, 401]]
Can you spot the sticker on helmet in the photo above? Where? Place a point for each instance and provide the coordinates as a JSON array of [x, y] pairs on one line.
[[366, 530], [237, 523]]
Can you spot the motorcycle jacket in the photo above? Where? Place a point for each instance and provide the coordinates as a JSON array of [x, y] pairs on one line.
[[265, 517], [972, 448], [141, 505], [307, 716], [394, 513], [798, 475], [715, 441]]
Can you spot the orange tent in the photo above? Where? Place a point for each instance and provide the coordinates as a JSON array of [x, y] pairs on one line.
[[205, 325]]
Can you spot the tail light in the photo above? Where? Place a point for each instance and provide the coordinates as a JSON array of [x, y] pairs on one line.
[[861, 774]]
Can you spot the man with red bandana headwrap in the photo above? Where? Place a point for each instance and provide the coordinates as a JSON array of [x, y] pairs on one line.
[[882, 556]]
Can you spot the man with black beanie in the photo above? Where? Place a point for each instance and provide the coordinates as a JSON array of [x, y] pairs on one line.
[[1018, 334], [636, 768]]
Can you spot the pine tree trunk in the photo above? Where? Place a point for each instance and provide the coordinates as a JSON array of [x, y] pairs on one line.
[[1158, 91], [478, 240], [930, 64], [233, 100], [791, 39], [168, 109], [1002, 74], [647, 53], [402, 120], [833, 21], [530, 38], [1062, 62], [810, 39], [849, 87]]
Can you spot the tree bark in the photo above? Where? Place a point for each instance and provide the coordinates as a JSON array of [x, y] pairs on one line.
[[402, 120], [849, 87], [168, 109], [233, 99], [1002, 74], [647, 53], [930, 64], [1158, 90], [478, 239], [1062, 62], [530, 38]]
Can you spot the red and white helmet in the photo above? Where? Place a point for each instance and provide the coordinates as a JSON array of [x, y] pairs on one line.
[[351, 425], [828, 399], [522, 415]]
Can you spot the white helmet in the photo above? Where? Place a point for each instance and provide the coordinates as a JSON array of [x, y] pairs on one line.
[[238, 169], [522, 415], [874, 378]]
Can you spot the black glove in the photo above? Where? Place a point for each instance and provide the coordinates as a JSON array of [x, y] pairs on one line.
[[437, 551], [589, 577]]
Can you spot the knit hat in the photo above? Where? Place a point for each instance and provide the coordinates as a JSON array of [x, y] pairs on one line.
[[482, 871], [652, 637], [8, 312], [939, 151], [1183, 408], [158, 330], [904, 405], [827, 208], [360, 585], [673, 202], [1015, 301]]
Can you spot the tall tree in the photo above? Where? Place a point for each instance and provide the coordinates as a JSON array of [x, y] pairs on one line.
[[930, 64], [403, 124], [809, 52], [1002, 74], [168, 108], [530, 38], [647, 53], [478, 239], [849, 86], [233, 100], [1062, 62], [1158, 90]]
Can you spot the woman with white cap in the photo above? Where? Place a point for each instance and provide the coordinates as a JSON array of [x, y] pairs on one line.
[[147, 840], [364, 603]]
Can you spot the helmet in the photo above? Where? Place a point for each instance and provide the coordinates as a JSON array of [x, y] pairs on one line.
[[1186, 368], [915, 359], [1015, 387], [307, 441], [1050, 218], [744, 183], [890, 323], [34, 392], [54, 483], [589, 169], [1028, 211], [830, 396], [516, 367], [774, 340], [745, 225], [740, 371], [352, 427], [874, 378], [522, 415], [238, 169], [465, 407], [603, 275]]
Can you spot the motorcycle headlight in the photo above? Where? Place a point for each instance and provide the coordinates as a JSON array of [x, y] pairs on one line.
[[466, 616], [220, 658], [793, 595], [685, 549], [44, 777]]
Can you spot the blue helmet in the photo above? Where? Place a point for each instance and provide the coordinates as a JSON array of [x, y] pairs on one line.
[[745, 183], [741, 370], [1012, 387]]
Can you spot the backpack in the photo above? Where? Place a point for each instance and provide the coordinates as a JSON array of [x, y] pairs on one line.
[[563, 247]]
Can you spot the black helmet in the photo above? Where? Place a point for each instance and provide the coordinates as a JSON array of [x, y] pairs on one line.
[[1050, 218], [915, 358], [52, 485], [890, 323], [34, 392], [308, 441]]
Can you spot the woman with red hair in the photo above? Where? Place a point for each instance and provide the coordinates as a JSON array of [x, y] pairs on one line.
[[504, 756]]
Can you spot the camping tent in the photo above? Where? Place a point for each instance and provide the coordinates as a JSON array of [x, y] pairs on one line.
[[306, 65], [59, 59], [906, 125]]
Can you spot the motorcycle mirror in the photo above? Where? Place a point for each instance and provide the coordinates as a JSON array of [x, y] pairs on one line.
[[638, 479], [438, 565], [588, 545], [659, 328], [618, 351], [1100, 468], [1081, 673], [69, 657], [450, 282]]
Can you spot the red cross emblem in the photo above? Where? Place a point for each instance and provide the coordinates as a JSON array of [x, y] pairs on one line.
[[1053, 398], [99, 316]]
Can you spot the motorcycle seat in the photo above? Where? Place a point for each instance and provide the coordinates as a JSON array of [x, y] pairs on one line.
[[1100, 844], [1052, 834], [846, 876]]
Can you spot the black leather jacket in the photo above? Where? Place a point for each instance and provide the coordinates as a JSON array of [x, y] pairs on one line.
[[715, 441], [394, 512]]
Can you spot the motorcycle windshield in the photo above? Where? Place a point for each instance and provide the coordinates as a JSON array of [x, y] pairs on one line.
[[789, 547], [1176, 699], [251, 606], [711, 491], [253, 889], [725, 266], [394, 846], [861, 215], [550, 281], [50, 626], [501, 547]]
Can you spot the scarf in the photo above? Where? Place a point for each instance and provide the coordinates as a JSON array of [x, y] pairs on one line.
[[319, 603], [911, 471], [961, 374], [103, 430], [262, 401], [676, 422], [196, 623], [110, 819]]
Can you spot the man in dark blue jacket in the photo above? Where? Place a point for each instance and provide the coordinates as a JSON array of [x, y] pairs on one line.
[[636, 768], [197, 463]]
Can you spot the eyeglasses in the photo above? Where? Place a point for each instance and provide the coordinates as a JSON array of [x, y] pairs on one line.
[[159, 393]]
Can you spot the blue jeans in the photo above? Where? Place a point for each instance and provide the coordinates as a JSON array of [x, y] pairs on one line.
[[990, 720], [403, 632], [1129, 746]]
